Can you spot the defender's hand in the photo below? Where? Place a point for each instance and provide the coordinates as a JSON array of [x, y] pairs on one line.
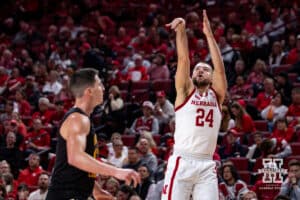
[[129, 176]]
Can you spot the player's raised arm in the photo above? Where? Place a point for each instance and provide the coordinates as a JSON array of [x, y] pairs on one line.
[[219, 82], [183, 81]]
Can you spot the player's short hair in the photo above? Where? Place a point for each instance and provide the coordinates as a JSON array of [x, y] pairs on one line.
[[133, 148], [81, 80], [199, 64]]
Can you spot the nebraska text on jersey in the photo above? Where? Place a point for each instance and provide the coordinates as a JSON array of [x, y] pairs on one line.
[[204, 103]]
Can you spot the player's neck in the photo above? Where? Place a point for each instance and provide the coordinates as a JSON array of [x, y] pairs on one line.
[[203, 89], [84, 106]]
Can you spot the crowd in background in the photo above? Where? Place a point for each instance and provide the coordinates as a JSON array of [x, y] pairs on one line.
[[43, 42]]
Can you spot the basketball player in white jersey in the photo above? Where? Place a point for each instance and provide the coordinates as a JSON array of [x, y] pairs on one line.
[[191, 170]]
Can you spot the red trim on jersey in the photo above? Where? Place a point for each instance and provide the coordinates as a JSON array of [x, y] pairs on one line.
[[173, 176], [186, 100], [217, 99]]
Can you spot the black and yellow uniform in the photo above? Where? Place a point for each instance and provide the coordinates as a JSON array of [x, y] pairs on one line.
[[68, 182]]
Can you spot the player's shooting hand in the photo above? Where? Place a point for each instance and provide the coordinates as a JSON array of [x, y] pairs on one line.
[[206, 25], [129, 176], [176, 23]]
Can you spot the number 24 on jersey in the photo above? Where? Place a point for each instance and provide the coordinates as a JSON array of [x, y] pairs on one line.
[[203, 117]]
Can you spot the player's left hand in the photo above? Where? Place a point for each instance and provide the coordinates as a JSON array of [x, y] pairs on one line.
[[206, 25], [176, 24]]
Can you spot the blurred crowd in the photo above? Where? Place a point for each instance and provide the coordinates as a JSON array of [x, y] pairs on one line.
[[43, 42]]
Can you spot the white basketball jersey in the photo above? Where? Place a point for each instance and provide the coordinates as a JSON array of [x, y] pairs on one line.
[[197, 124]]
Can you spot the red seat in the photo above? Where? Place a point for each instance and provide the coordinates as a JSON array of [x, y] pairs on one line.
[[128, 140], [281, 68], [124, 95], [138, 85], [297, 136], [123, 85], [295, 148], [140, 96], [293, 77], [296, 84], [245, 176], [258, 165], [162, 84], [240, 163], [261, 125]]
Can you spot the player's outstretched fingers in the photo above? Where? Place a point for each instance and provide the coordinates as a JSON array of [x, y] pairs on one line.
[[174, 24], [128, 180], [136, 178]]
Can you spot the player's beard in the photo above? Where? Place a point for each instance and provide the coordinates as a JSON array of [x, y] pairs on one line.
[[201, 84]]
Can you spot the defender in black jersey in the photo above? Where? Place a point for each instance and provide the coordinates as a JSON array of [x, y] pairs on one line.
[[76, 167]]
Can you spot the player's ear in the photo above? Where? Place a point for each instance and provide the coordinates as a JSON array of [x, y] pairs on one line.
[[88, 91]]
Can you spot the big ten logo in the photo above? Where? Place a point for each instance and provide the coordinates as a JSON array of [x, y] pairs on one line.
[[272, 171]]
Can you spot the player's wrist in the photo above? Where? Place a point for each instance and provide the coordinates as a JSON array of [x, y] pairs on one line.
[[209, 35]]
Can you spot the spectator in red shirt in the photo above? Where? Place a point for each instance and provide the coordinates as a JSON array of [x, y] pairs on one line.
[[241, 89], [45, 112], [24, 108], [58, 113], [140, 43], [159, 69], [243, 121], [232, 146], [292, 57], [294, 109], [256, 76], [252, 22], [30, 175], [282, 131], [121, 41], [232, 186], [266, 191], [158, 46], [147, 122], [138, 72], [264, 98], [15, 80], [103, 148], [38, 139]]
